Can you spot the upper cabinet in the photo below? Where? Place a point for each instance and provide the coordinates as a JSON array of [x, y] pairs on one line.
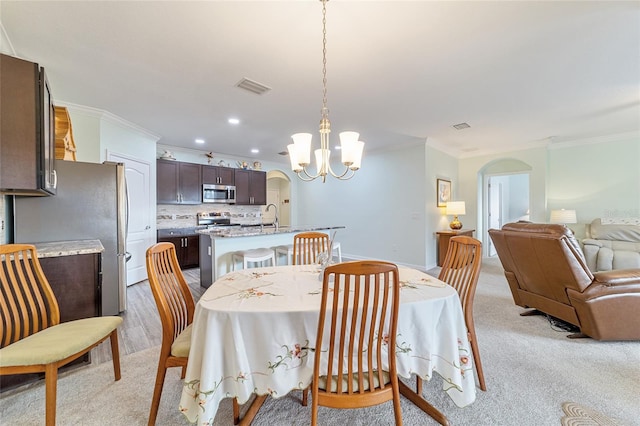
[[27, 135], [216, 175], [251, 187], [178, 183]]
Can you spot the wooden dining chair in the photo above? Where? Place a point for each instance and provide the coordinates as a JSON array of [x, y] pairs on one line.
[[307, 246], [461, 270], [33, 339], [359, 317], [176, 307]]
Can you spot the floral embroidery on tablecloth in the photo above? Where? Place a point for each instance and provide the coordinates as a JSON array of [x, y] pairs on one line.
[[293, 356], [253, 292]]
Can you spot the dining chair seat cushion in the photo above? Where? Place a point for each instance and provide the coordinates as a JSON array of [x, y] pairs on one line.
[[322, 383], [58, 342], [182, 344]]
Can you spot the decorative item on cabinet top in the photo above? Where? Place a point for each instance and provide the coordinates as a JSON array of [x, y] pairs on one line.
[[167, 155]]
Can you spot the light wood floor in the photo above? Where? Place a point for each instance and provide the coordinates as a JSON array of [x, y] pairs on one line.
[[141, 328]]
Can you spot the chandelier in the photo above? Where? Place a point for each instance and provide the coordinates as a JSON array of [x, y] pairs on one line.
[[350, 146]]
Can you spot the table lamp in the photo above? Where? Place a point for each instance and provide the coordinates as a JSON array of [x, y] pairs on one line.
[[455, 208], [563, 216]]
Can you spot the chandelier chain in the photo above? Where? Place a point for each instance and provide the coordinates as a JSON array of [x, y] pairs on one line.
[[324, 57], [351, 147]]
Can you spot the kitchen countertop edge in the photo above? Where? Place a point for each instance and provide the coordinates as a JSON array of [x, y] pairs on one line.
[[68, 248], [235, 233]]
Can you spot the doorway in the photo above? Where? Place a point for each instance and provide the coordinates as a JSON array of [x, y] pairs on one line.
[[279, 194], [506, 196], [507, 201], [139, 232]]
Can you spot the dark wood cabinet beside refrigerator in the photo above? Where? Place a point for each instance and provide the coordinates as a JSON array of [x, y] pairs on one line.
[[76, 281]]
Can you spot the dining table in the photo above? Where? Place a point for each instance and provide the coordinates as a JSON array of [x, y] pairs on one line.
[[254, 332]]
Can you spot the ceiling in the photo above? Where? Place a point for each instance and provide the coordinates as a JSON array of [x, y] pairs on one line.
[[521, 74]]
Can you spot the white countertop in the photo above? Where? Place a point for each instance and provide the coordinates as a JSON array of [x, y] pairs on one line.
[[68, 248]]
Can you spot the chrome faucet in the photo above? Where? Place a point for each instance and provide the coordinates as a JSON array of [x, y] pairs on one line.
[[275, 221]]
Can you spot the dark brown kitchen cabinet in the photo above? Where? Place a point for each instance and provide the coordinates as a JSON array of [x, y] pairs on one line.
[[216, 175], [187, 249], [178, 183], [76, 282], [251, 187], [27, 130]]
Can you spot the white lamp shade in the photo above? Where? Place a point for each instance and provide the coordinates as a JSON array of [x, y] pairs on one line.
[[455, 207], [293, 156], [563, 216], [357, 155], [348, 141], [302, 142]]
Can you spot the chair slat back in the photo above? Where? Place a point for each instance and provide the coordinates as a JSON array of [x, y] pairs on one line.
[[359, 310], [307, 245], [461, 268], [170, 291], [27, 302]]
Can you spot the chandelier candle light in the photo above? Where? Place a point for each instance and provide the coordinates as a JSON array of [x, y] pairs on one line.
[[455, 208], [300, 149]]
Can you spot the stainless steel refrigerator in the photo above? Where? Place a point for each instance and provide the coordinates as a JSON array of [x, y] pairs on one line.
[[91, 203]]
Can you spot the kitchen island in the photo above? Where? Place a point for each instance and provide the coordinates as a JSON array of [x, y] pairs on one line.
[[217, 246]]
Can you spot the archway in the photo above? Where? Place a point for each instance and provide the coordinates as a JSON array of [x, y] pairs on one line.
[[278, 193], [505, 194]]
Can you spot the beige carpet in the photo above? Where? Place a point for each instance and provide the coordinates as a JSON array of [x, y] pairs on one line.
[[531, 369], [577, 415]]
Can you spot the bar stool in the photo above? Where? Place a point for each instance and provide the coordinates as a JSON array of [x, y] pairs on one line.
[[287, 250], [258, 255], [336, 248]]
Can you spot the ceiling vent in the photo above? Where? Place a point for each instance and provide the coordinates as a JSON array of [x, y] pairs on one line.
[[253, 86], [283, 153], [461, 126]]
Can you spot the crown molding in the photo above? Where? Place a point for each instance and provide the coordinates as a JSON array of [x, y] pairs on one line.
[[101, 114], [615, 137]]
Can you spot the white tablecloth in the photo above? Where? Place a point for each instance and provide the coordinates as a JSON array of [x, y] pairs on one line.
[[254, 332]]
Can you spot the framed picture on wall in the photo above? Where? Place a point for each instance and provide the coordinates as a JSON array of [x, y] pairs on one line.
[[444, 192]]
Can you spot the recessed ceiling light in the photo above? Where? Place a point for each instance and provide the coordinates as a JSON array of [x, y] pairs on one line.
[[234, 121], [255, 151], [199, 140]]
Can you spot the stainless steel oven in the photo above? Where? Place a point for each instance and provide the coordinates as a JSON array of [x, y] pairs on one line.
[[225, 194]]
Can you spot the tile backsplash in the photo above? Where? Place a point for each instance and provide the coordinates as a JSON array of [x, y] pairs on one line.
[[185, 216]]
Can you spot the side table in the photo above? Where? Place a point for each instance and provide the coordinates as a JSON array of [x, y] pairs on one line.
[[443, 241]]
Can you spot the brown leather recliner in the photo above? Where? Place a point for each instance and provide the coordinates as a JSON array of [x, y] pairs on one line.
[[547, 271]]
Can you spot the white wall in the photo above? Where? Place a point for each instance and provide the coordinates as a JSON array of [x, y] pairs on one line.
[[598, 178], [440, 166], [382, 207]]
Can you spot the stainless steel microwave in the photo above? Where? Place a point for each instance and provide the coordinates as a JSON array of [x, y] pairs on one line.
[[218, 194]]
